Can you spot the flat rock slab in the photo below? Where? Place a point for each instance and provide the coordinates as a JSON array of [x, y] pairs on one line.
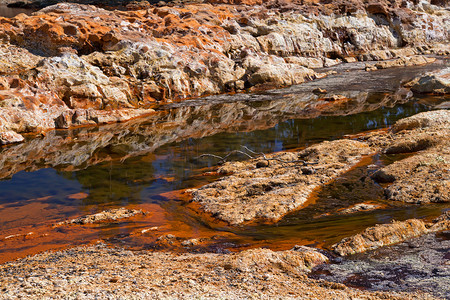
[[256, 191], [107, 215]]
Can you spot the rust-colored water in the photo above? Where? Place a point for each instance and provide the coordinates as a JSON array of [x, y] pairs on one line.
[[150, 165]]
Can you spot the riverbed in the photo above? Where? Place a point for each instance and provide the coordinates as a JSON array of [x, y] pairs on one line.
[[149, 163]]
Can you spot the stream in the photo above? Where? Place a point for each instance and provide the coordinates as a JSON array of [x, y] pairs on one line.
[[148, 164]]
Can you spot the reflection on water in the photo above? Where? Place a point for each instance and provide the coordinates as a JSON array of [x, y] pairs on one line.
[[10, 12], [147, 163]]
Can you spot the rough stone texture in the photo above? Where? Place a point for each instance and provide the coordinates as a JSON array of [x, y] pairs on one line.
[[101, 272], [271, 192], [423, 120], [10, 137], [107, 215], [359, 208], [405, 62], [71, 56], [436, 83], [419, 264], [423, 177], [388, 234], [379, 236]]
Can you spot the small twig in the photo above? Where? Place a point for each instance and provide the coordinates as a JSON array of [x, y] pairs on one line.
[[223, 159], [280, 160], [226, 156]]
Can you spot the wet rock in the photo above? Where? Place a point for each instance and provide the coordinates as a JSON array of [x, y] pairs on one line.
[[262, 164], [335, 98], [436, 83], [269, 193], [191, 242], [441, 223], [379, 236], [167, 241], [107, 215], [10, 137], [73, 56], [436, 118], [389, 234], [416, 264], [423, 177], [360, 207]]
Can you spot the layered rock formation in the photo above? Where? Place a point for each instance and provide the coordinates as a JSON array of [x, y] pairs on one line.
[[388, 234], [67, 64]]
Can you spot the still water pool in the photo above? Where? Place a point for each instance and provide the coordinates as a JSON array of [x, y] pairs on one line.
[[149, 163]]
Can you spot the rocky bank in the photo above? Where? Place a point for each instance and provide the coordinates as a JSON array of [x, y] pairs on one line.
[[73, 64], [388, 234], [99, 271]]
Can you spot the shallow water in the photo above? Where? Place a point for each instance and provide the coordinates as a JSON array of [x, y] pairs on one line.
[[148, 163]]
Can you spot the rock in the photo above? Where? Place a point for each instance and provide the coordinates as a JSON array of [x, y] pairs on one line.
[[349, 59], [10, 137], [405, 62], [319, 91], [262, 164], [437, 118], [107, 215], [436, 83], [379, 236], [73, 56], [263, 260], [360, 207], [191, 242], [335, 98], [423, 177], [389, 234], [270, 193], [370, 68], [441, 223]]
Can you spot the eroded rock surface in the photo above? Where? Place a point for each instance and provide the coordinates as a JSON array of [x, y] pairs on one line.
[[434, 82], [65, 64], [417, 264], [258, 273], [388, 234], [425, 176], [255, 192], [107, 215]]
